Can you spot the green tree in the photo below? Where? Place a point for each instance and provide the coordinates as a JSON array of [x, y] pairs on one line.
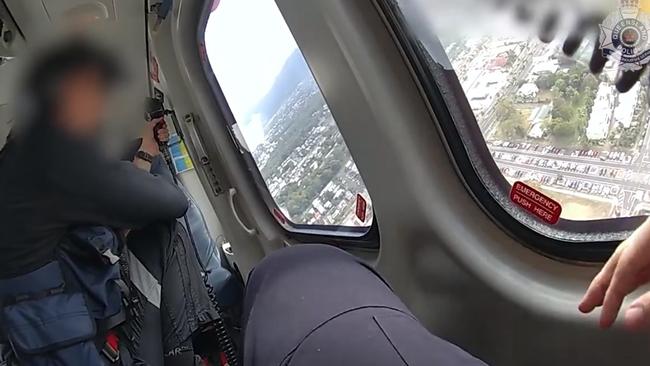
[[573, 97], [546, 81], [570, 93], [589, 81], [564, 130], [562, 110], [512, 124], [560, 86]]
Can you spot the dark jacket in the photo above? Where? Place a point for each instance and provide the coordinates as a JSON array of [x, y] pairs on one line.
[[51, 182]]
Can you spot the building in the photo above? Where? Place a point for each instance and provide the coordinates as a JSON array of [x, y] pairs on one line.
[[537, 119], [499, 62], [544, 65], [482, 92], [528, 92], [601, 114], [624, 112]]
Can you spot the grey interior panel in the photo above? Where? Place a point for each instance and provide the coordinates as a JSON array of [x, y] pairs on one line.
[[461, 273]]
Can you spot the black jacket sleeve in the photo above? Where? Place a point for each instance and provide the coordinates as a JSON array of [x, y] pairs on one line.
[[114, 193]]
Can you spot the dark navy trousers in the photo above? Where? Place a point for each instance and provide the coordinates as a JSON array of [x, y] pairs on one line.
[[314, 305]]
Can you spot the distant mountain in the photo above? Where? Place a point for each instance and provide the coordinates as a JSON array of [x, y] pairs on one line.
[[294, 71]]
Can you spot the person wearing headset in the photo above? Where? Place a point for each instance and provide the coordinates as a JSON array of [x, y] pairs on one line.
[[55, 181], [54, 175]]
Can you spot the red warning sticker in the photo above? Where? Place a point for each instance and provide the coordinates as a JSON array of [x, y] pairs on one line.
[[280, 216], [535, 202], [154, 70], [362, 207]]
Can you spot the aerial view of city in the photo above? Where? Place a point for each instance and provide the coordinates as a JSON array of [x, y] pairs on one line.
[[283, 119], [552, 124], [304, 160], [546, 119]]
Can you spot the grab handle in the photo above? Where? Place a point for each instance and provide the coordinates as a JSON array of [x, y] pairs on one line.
[[232, 193]]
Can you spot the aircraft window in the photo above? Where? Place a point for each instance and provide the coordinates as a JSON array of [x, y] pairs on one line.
[[546, 120], [282, 118]]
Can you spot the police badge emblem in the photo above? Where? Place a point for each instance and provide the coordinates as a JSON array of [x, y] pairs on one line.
[[624, 36]]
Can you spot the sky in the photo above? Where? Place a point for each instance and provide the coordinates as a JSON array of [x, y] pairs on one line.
[[247, 42]]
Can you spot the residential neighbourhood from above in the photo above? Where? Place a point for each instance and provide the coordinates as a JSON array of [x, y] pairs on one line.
[[551, 123]]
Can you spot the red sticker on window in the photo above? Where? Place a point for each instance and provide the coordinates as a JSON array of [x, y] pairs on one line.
[[280, 216], [154, 70], [362, 207], [535, 202]]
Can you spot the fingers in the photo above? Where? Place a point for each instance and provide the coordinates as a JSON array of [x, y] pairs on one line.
[[598, 60], [637, 316], [595, 295], [588, 24], [571, 45], [163, 136], [161, 132], [160, 126], [523, 11], [548, 27], [627, 80], [624, 281], [156, 121], [573, 42]]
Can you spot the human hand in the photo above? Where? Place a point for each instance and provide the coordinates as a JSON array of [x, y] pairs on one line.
[[587, 25], [155, 133], [625, 271]]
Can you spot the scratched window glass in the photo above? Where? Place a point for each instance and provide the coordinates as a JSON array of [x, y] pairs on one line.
[[548, 121]]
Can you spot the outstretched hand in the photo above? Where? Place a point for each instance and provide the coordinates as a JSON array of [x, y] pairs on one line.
[[626, 270], [629, 267], [587, 26]]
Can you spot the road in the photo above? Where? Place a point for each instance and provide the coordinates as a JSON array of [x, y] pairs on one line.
[[629, 177], [626, 196], [569, 158], [644, 156], [555, 172], [488, 122]]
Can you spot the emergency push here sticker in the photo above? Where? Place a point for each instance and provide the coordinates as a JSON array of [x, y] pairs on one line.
[[361, 209], [535, 202]]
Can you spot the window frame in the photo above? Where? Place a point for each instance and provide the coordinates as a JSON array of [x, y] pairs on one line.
[[576, 241], [363, 237]]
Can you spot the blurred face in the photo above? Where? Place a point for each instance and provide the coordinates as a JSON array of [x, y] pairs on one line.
[[81, 102]]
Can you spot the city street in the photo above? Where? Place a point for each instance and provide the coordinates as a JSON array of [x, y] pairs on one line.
[[625, 184], [535, 80]]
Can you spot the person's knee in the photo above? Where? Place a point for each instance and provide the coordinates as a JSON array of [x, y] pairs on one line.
[[318, 297], [292, 257], [378, 337]]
